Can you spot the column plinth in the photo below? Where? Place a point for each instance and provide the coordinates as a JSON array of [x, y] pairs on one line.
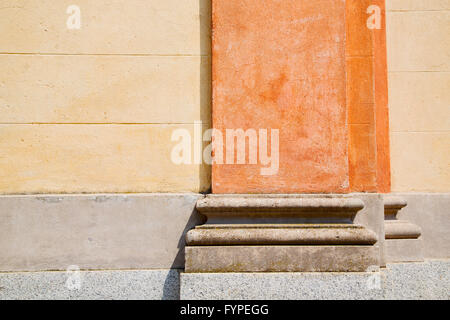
[[300, 122], [277, 233]]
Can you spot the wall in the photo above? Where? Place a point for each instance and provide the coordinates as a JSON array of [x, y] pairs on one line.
[[281, 66], [317, 73], [95, 232], [92, 110], [419, 81]]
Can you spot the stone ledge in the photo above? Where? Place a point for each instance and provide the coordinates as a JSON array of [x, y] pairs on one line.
[[276, 209], [401, 229], [322, 234], [393, 204], [265, 206]]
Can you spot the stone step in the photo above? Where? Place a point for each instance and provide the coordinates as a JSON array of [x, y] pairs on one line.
[[221, 209], [401, 229]]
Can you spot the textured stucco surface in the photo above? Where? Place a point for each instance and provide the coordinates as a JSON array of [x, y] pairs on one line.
[[88, 158], [281, 65], [317, 74], [107, 26], [120, 89]]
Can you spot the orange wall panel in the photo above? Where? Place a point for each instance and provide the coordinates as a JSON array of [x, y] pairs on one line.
[[310, 69], [281, 65]]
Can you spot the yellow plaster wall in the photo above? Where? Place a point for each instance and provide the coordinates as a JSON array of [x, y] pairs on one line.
[[418, 34], [92, 110]]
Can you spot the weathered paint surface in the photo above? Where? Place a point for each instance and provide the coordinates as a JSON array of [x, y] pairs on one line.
[[315, 71], [281, 65]]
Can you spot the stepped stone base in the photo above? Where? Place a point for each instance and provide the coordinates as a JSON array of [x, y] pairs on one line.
[[280, 233], [403, 239], [219, 259]]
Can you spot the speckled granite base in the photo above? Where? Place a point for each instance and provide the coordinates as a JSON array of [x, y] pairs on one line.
[[104, 285], [430, 280]]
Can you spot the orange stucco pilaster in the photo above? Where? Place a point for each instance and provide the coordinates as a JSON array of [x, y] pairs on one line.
[[360, 98], [367, 97], [302, 67], [382, 104]]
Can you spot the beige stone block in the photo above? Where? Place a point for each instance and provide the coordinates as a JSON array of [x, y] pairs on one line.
[[404, 5], [418, 41], [404, 250], [419, 101], [94, 159], [420, 161], [372, 217], [104, 89], [217, 259], [431, 212], [171, 27]]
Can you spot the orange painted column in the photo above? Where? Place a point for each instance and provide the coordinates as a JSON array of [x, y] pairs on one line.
[[367, 96], [302, 73], [382, 104]]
